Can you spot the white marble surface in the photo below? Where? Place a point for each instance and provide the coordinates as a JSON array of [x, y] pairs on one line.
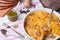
[[19, 22]]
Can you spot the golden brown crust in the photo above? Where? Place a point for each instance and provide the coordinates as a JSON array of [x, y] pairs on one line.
[[36, 25]]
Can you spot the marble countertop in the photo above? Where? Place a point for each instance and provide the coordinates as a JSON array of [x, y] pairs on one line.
[[20, 29], [19, 22]]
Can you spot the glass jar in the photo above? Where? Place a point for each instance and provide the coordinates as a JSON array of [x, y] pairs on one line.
[[12, 16]]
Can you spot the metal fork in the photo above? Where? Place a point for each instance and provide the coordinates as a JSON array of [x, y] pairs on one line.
[[50, 16]]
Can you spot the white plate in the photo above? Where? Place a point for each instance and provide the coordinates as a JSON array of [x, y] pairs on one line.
[[43, 9]]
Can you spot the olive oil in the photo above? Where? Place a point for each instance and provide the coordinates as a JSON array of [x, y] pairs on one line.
[[12, 16]]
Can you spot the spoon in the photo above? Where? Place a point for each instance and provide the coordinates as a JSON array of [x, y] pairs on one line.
[[50, 16], [49, 22], [14, 30], [6, 33], [28, 38], [3, 31]]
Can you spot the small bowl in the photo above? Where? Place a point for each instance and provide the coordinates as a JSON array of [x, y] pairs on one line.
[[43, 9]]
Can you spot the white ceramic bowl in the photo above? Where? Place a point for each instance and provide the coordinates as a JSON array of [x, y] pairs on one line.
[[43, 9]]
